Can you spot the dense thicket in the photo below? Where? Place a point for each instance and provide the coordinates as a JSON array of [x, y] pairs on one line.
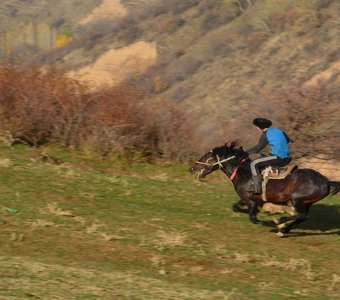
[[38, 107]]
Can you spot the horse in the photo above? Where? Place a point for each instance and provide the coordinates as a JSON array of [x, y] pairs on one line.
[[300, 188]]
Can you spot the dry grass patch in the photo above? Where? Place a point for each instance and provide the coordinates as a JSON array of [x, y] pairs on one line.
[[42, 223], [161, 177], [334, 282], [94, 227], [53, 208], [170, 239], [22, 278], [302, 266], [5, 163]]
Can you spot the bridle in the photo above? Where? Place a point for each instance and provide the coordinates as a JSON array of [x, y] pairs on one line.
[[219, 162], [220, 166]]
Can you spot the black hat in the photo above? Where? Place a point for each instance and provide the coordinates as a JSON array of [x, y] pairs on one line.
[[262, 123]]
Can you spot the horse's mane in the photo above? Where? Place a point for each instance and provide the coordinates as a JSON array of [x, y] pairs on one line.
[[230, 147]]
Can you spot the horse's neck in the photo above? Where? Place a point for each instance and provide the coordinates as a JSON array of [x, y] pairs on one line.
[[243, 171]]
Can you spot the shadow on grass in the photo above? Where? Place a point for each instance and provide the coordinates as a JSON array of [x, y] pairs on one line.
[[324, 219]]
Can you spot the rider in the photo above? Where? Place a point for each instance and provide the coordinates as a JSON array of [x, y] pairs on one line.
[[279, 151]]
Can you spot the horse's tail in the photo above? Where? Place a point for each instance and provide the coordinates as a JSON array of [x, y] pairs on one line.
[[334, 187]]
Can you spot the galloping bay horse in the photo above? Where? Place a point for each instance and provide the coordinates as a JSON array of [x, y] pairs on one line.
[[301, 188]]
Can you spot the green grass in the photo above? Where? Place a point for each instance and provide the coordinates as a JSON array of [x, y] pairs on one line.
[[98, 230]]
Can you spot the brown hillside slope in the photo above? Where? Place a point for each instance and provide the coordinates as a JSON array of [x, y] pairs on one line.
[[226, 61], [213, 54]]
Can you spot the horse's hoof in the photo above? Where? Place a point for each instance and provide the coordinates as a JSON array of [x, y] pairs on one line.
[[276, 221], [257, 222], [281, 234], [280, 226], [236, 208]]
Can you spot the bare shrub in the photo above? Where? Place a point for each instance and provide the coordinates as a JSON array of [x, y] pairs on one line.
[[180, 93], [171, 72], [217, 18], [283, 20], [44, 106], [169, 130], [160, 7], [207, 5], [220, 47], [185, 67], [38, 106], [181, 6], [171, 24], [255, 39], [325, 4]]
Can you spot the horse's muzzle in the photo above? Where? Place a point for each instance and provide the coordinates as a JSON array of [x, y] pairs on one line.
[[192, 170]]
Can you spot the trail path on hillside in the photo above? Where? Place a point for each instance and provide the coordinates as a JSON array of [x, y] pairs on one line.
[[109, 9]]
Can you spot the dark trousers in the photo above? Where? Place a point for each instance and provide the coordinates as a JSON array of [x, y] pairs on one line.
[[271, 160]]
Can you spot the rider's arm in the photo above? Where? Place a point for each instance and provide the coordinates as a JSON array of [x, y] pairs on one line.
[[263, 142]]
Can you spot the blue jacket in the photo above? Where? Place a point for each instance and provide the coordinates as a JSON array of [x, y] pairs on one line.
[[277, 140]]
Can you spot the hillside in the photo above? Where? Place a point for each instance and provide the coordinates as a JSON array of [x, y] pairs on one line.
[[223, 61]]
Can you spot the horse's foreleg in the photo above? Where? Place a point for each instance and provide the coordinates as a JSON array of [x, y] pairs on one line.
[[237, 207], [253, 210]]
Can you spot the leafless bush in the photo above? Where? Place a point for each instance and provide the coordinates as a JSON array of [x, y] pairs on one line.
[[171, 24], [166, 73], [181, 6], [180, 93], [207, 5], [169, 130], [217, 18], [325, 4], [185, 67], [255, 39], [44, 106], [220, 47], [160, 7]]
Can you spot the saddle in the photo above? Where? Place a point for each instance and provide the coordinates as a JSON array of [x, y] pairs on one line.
[[271, 172], [277, 172]]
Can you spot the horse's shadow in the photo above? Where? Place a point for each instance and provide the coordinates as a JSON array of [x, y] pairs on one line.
[[324, 219]]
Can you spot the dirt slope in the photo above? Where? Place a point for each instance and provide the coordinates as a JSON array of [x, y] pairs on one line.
[[115, 65]]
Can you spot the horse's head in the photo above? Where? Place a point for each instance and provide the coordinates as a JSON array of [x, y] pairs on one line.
[[217, 159]]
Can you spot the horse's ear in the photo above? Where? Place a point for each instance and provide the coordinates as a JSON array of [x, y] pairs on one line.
[[244, 151], [231, 144], [234, 144]]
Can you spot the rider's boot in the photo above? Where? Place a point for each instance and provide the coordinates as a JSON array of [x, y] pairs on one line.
[[256, 185]]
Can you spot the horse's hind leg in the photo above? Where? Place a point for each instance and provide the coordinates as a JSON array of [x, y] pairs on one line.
[[283, 220], [302, 214]]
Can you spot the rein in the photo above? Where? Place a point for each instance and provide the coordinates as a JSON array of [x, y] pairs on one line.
[[232, 176]]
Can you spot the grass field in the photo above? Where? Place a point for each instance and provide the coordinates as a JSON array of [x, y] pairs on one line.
[[88, 230]]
